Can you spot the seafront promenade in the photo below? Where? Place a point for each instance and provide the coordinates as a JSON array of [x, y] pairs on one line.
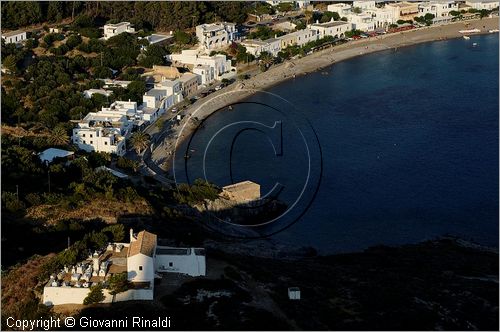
[[164, 151]]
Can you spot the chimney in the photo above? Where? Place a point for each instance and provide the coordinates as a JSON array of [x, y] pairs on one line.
[[132, 238], [95, 260]]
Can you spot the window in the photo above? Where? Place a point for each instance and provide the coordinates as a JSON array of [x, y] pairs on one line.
[[83, 135], [84, 142], [105, 143], [140, 267], [170, 264], [91, 142], [91, 136]]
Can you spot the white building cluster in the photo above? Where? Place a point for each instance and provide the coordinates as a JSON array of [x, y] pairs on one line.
[[215, 35], [207, 68], [141, 259], [336, 29], [108, 129], [367, 15]]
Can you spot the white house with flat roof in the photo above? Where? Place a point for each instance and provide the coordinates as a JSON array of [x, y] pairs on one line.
[[363, 21], [109, 83], [257, 46], [14, 37], [90, 92], [216, 35], [364, 4], [111, 30], [192, 59], [437, 8], [382, 17], [173, 88], [300, 37], [103, 131], [155, 98], [483, 4], [205, 73], [127, 108], [141, 259], [336, 29], [343, 9]]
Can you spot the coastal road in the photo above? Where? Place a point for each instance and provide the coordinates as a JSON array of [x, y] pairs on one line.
[[163, 149]]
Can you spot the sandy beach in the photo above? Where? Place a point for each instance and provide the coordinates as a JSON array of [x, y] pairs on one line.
[[163, 152]]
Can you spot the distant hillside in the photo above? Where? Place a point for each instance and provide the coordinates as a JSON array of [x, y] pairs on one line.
[[156, 15]]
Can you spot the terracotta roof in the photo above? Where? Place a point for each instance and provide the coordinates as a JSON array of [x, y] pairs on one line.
[[145, 244]]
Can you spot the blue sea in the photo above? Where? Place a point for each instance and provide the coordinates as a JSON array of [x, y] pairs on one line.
[[406, 150]]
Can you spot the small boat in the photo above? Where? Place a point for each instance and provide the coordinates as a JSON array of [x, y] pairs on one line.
[[466, 37], [470, 31], [474, 44], [493, 30]]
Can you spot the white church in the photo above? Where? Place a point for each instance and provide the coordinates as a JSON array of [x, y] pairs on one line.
[[142, 259]]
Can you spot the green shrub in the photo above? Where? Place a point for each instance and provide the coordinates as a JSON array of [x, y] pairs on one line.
[[95, 295]]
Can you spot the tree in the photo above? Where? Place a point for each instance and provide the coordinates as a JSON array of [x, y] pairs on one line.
[[327, 16], [182, 38], [10, 63], [428, 18], [266, 59], [484, 13], [454, 13], [95, 295], [118, 283], [356, 10], [139, 141], [54, 11], [59, 136], [73, 41], [285, 7]]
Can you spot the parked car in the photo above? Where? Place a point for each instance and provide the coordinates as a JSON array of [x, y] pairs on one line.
[[218, 87], [174, 110]]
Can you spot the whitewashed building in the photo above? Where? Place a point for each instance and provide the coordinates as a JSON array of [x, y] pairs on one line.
[[363, 21], [142, 260], [102, 132], [14, 37], [256, 46], [403, 10], [215, 35], [336, 29], [485, 4], [173, 88], [343, 9], [205, 74], [383, 17], [192, 59], [364, 4], [111, 30], [437, 8], [109, 83], [90, 92], [300, 37]]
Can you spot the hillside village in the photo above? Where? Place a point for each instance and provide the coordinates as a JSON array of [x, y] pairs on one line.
[[206, 63]]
